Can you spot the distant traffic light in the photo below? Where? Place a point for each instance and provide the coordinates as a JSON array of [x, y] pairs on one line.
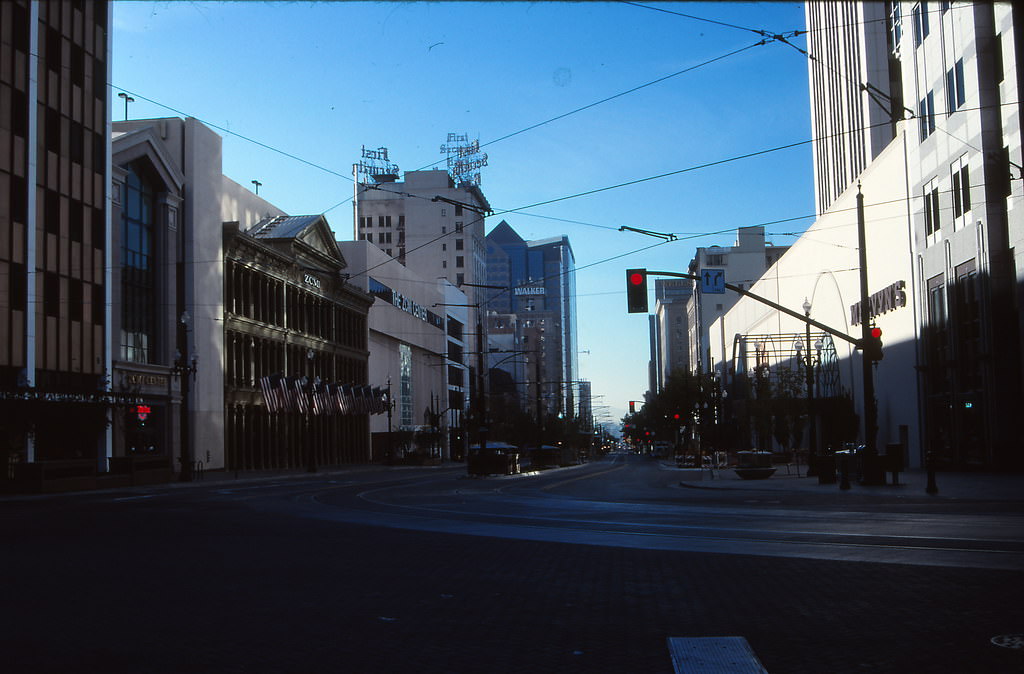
[[636, 291], [873, 345]]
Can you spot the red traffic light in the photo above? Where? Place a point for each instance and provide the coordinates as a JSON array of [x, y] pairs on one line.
[[636, 291], [876, 332]]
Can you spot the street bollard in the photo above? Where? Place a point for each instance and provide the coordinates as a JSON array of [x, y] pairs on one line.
[[844, 469]]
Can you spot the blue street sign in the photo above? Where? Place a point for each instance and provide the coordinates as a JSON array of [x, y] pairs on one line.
[[712, 281]]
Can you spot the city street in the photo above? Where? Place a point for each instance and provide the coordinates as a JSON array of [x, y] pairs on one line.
[[588, 568]]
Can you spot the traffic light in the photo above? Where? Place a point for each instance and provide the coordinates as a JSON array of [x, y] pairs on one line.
[[873, 345], [632, 407], [636, 291]]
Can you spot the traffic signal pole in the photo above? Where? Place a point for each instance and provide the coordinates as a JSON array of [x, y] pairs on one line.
[[871, 473], [856, 341]]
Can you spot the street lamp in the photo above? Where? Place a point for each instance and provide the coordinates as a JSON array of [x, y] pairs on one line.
[[812, 359], [187, 371], [307, 388], [127, 99]]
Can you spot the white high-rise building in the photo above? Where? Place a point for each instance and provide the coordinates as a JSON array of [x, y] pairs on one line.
[[953, 70]]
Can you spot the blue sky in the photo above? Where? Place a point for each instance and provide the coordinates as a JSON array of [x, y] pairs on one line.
[[318, 80]]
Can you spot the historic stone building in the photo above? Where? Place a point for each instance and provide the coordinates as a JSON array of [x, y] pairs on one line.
[[291, 315]]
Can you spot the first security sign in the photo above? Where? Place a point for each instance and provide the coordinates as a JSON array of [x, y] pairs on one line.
[[712, 281]]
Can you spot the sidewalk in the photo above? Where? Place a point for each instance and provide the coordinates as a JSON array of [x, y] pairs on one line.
[[1007, 487]]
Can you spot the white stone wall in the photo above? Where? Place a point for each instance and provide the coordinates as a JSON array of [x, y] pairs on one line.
[[823, 267]]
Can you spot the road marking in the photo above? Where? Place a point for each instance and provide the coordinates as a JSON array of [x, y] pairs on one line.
[[581, 477], [134, 498], [710, 655]]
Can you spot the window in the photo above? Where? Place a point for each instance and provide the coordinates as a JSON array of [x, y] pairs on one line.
[[444, 246], [714, 259], [459, 243], [955, 95], [926, 113], [931, 208], [401, 222], [51, 294], [138, 276], [920, 13], [460, 279], [444, 212], [458, 209], [896, 26], [387, 220], [458, 225], [444, 229], [444, 264], [460, 261], [961, 190], [380, 220], [385, 237], [369, 237]]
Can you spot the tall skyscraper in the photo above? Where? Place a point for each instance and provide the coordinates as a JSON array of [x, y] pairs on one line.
[[538, 281], [856, 97]]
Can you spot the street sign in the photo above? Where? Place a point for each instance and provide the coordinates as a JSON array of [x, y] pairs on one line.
[[712, 281]]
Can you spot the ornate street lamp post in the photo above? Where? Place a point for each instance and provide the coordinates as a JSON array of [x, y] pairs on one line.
[[812, 443]]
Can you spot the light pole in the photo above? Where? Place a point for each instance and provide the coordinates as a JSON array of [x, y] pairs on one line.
[[812, 443], [127, 99], [391, 406], [307, 390], [187, 371]]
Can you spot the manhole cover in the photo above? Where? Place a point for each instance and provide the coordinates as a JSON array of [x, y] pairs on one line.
[[1009, 640]]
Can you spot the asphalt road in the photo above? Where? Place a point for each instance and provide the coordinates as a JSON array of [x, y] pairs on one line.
[[585, 569]]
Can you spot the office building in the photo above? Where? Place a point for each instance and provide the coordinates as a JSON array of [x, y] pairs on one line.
[[741, 264], [55, 249], [538, 285], [956, 68]]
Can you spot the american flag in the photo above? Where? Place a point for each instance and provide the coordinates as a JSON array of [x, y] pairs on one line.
[[299, 395], [284, 394], [343, 395], [364, 399], [269, 399]]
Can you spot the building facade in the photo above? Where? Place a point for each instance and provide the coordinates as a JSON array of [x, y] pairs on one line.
[[170, 199], [767, 354], [670, 344], [55, 251], [291, 318], [742, 265], [957, 67], [856, 97], [409, 351], [536, 281]]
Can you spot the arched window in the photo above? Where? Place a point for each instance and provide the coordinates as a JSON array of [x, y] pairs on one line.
[[138, 272]]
